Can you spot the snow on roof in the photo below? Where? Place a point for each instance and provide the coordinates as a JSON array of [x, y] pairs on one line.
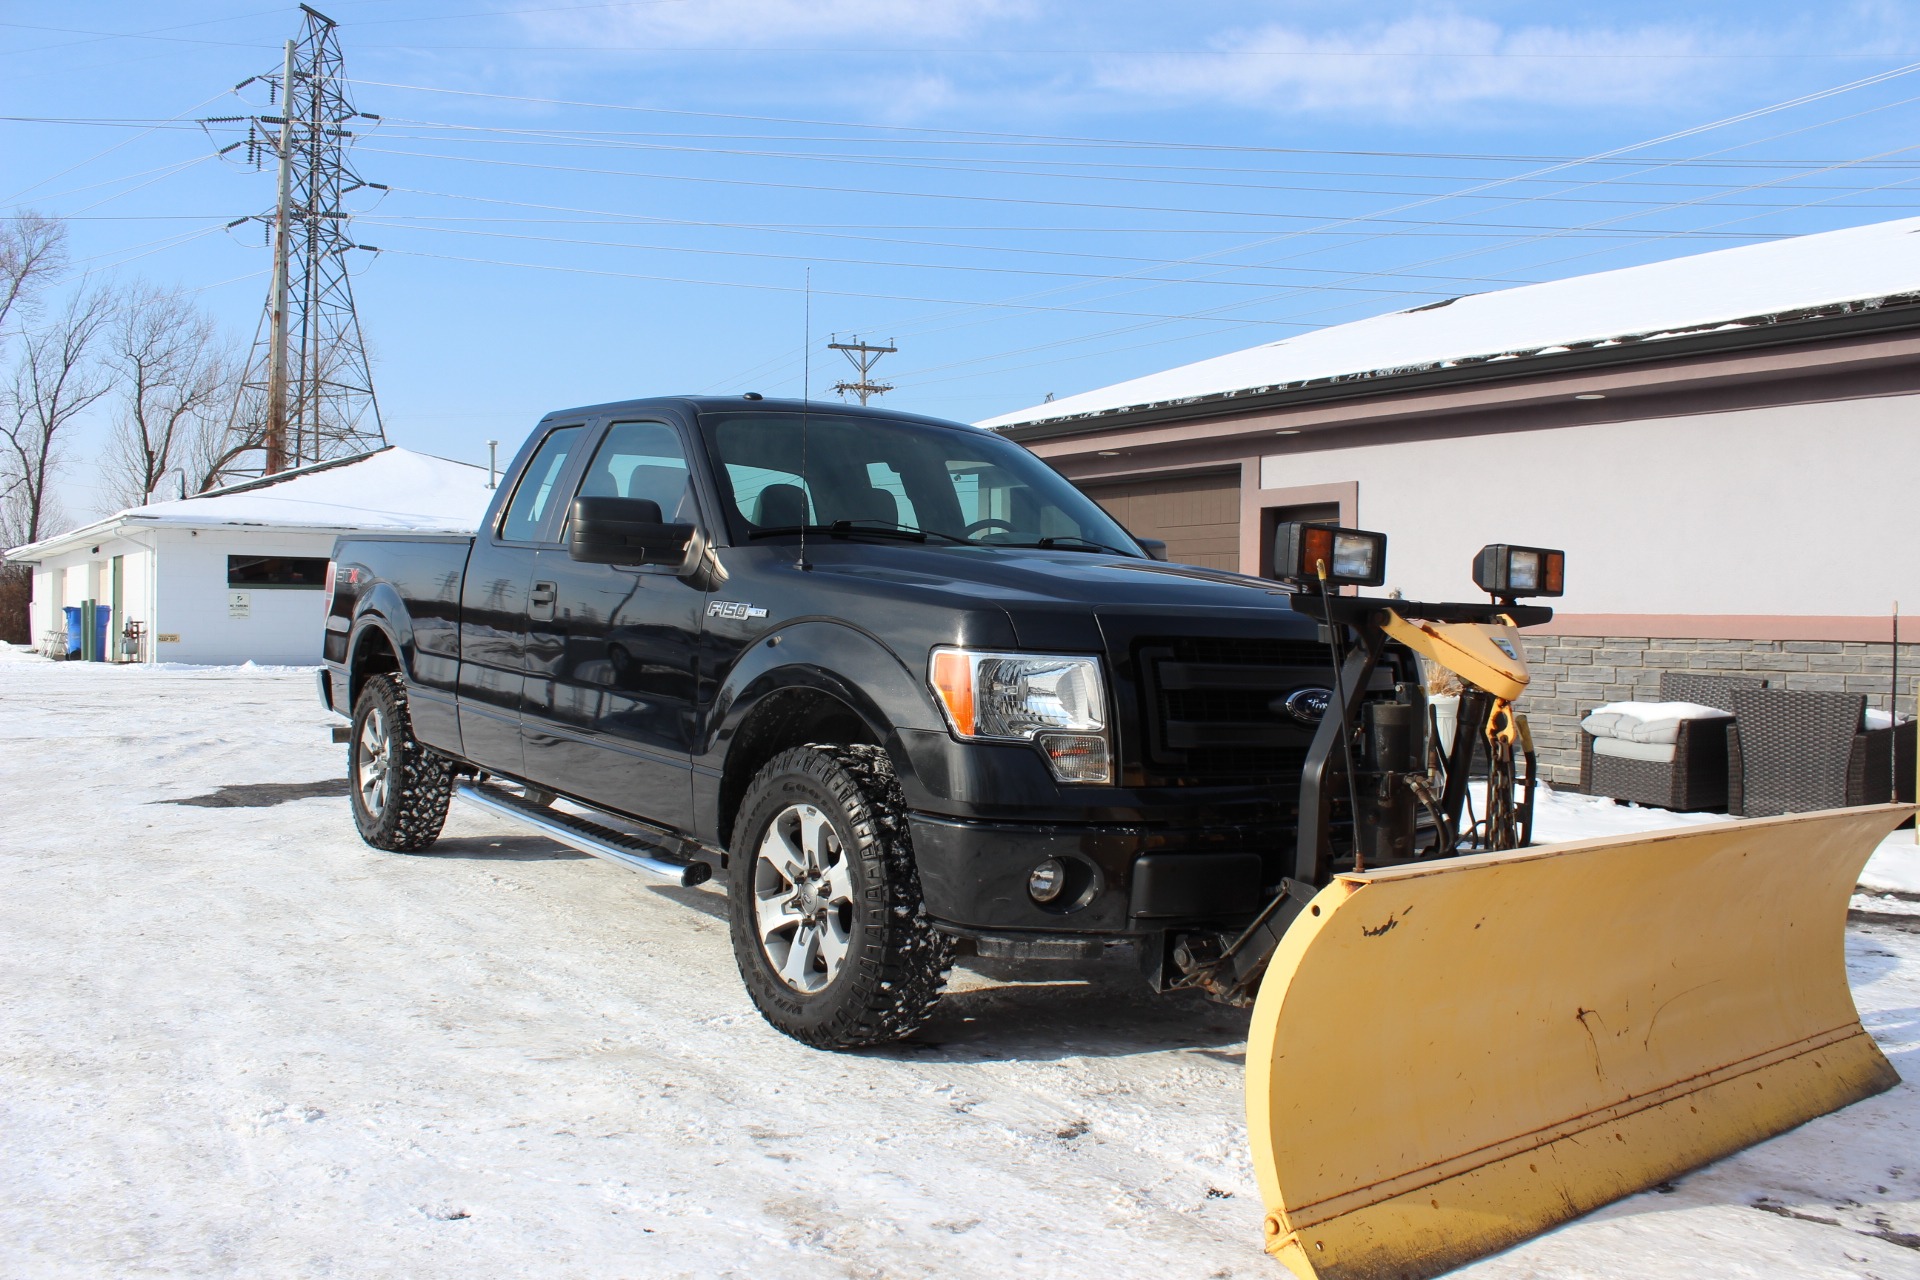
[[1727, 288], [391, 490]]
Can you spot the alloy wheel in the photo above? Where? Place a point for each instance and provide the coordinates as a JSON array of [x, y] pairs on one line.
[[803, 898]]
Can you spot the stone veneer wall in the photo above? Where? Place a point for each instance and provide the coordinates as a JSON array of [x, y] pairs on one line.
[[1574, 674]]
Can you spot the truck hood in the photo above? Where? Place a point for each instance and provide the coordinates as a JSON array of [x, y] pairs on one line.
[[1067, 599], [1021, 576]]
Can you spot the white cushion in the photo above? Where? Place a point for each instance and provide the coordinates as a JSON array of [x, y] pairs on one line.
[[1647, 721], [1625, 750]]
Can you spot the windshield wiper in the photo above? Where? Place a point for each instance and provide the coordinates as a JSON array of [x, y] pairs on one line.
[[875, 527], [1069, 542]]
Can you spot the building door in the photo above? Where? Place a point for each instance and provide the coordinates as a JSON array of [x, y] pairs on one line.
[[1198, 517]]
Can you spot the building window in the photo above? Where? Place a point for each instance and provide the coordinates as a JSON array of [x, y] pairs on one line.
[[298, 573]]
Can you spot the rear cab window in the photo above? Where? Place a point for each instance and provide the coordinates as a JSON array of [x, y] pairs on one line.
[[535, 496]]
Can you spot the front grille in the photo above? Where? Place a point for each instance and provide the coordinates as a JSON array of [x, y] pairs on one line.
[[1212, 708]]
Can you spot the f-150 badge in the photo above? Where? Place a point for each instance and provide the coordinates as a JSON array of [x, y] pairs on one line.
[[734, 609]]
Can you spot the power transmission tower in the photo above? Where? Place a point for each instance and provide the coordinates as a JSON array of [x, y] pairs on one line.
[[862, 357], [307, 394]]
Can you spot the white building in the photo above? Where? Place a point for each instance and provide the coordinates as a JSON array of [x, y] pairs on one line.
[[237, 574]]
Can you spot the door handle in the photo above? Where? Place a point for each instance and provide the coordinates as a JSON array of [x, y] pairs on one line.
[[540, 599]]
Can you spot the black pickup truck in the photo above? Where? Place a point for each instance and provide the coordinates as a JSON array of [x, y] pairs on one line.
[[907, 688]]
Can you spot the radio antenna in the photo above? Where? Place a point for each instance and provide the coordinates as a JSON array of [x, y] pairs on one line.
[[806, 411]]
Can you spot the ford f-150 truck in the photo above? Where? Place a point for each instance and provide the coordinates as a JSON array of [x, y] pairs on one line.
[[907, 689]]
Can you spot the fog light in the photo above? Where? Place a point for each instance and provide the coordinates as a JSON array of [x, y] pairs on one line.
[[1078, 757], [1047, 880]]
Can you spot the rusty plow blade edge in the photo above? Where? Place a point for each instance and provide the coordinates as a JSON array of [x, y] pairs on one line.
[[1448, 1058]]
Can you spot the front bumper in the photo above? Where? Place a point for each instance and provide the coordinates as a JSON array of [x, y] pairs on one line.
[[1123, 879]]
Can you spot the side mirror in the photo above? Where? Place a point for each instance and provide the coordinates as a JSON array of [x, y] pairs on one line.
[[626, 531], [1155, 548]]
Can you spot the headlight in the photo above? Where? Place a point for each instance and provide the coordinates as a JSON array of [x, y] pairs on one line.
[[1022, 697]]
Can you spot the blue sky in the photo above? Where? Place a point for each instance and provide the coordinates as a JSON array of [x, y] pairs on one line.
[[595, 201]]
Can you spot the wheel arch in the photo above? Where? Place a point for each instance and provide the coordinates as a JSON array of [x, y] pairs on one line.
[[812, 681], [784, 717], [373, 651]]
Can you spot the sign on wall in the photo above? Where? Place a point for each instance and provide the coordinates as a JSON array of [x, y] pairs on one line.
[[239, 604]]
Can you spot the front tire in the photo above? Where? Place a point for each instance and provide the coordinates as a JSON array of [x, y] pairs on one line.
[[399, 787], [824, 901]]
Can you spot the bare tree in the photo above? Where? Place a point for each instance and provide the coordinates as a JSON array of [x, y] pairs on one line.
[[32, 257], [171, 379], [219, 447], [55, 379], [33, 252]]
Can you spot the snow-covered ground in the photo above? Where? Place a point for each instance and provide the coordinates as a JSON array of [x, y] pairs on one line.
[[236, 1041]]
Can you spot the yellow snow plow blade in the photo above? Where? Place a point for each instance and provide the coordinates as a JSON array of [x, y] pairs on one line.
[[1449, 1057]]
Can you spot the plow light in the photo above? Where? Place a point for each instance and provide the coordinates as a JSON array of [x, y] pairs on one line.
[[1508, 572], [1348, 557]]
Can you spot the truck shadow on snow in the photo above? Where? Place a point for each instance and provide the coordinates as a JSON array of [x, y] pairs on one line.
[[529, 848], [1000, 1011], [262, 795], [997, 1010]]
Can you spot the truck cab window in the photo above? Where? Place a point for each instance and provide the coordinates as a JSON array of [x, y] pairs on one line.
[[954, 484], [768, 497], [533, 499], [643, 460]]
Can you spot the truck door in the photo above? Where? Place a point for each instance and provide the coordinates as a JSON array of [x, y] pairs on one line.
[[610, 667], [494, 602]]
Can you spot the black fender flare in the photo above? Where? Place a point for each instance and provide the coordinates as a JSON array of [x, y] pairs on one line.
[[820, 655], [381, 610]]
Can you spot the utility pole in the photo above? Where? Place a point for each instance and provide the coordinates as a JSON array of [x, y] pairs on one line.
[[307, 394], [862, 357], [276, 437]]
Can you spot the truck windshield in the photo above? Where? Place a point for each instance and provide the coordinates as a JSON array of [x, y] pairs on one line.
[[897, 478]]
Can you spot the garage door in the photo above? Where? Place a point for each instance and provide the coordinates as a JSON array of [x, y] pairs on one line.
[[1198, 517]]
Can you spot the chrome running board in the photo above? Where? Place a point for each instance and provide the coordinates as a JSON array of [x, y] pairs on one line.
[[582, 834]]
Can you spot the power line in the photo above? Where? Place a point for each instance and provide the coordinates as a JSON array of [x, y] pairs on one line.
[[1799, 100], [944, 165], [860, 262], [762, 287], [967, 197]]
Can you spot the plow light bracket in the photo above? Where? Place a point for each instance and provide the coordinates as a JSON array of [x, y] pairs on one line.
[[1508, 572], [1353, 557]]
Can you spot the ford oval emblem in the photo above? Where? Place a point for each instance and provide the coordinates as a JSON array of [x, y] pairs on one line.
[[1306, 705]]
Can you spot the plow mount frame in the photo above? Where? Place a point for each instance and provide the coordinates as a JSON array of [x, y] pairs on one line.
[[1230, 970]]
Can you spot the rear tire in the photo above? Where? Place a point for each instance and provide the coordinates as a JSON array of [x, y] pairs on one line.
[[399, 787], [824, 901]]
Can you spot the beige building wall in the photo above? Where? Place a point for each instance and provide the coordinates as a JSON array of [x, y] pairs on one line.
[[1804, 511]]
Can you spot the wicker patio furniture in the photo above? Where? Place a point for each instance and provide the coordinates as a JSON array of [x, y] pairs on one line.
[[1794, 750], [1696, 777]]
